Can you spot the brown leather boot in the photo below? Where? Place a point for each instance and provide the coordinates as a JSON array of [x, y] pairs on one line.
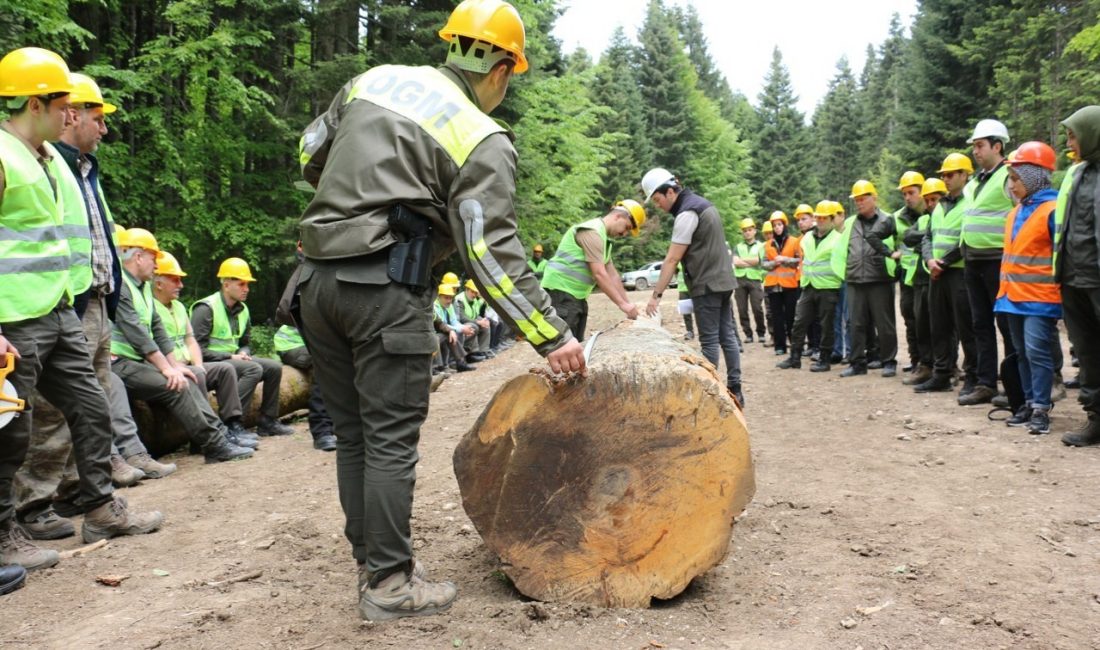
[[114, 518]]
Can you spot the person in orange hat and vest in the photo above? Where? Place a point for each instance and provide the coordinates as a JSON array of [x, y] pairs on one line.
[[783, 258], [1028, 293]]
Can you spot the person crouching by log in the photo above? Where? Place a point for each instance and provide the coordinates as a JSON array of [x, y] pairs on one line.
[[583, 262], [452, 333]]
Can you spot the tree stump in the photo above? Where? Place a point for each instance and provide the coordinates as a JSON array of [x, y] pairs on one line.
[[615, 489]]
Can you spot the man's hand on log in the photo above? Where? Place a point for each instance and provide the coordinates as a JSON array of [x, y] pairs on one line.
[[630, 309], [651, 306], [568, 358]]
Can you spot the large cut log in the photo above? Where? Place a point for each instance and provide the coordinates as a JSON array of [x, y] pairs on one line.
[[614, 489], [163, 434]]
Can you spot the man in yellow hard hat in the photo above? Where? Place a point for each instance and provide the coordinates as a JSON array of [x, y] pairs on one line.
[[931, 190], [452, 333], [470, 309], [537, 263], [864, 259], [948, 302], [218, 376], [748, 256], [223, 330], [907, 258], [409, 158], [144, 354], [583, 262], [39, 201]]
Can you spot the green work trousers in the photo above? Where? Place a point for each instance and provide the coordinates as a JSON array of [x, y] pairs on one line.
[[55, 361], [190, 406], [372, 345], [251, 373]]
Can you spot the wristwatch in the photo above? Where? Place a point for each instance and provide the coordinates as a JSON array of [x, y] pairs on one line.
[[658, 294]]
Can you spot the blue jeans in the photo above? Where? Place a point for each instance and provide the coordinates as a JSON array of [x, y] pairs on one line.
[[714, 319], [1032, 336]]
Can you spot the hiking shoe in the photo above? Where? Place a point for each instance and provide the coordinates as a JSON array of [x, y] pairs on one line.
[[237, 429], [122, 474], [889, 369], [150, 467], [968, 387], [792, 361], [1000, 400], [48, 525], [820, 366], [1020, 418], [403, 594], [364, 576], [921, 374], [1040, 423], [855, 369], [736, 390], [247, 443], [325, 442], [980, 395], [937, 384], [114, 518], [268, 426], [11, 578], [16, 548], [1086, 436], [223, 450], [464, 367]]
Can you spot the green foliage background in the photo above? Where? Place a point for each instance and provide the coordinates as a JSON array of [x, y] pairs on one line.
[[214, 95]]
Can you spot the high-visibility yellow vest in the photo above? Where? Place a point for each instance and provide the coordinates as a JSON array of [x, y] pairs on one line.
[[947, 229], [567, 270], [817, 268], [909, 256], [471, 308], [222, 338], [143, 305], [175, 322], [75, 219], [1064, 193], [288, 338], [35, 257], [754, 252], [921, 226], [983, 224]]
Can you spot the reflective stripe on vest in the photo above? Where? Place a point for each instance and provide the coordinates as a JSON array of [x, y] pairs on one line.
[[785, 276], [946, 229], [1027, 273], [567, 270], [288, 338], [537, 267], [840, 260], [74, 213], [817, 268], [143, 306], [754, 252], [175, 321], [34, 253], [222, 338], [426, 96], [1064, 193], [909, 256], [983, 224], [922, 227]]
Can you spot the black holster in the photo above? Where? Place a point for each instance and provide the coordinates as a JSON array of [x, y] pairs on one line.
[[410, 259]]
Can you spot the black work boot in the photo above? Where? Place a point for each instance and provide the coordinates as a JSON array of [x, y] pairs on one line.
[[269, 426], [889, 369], [1086, 436], [820, 366], [793, 361], [937, 384], [855, 369], [325, 442], [11, 578], [735, 388], [222, 450]]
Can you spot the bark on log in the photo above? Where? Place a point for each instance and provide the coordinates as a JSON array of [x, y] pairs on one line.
[[162, 433], [614, 489]]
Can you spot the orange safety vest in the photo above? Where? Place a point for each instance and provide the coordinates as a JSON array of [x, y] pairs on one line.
[[784, 276], [1027, 266]]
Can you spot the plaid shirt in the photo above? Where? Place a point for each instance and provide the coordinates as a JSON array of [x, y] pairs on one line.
[[102, 278]]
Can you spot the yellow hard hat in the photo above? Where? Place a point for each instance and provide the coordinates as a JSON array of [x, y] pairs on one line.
[[1071, 155], [236, 268], [803, 208], [910, 178], [33, 71], [446, 290], [956, 162], [778, 216], [932, 186], [470, 285], [861, 187], [747, 223], [637, 213], [86, 91], [767, 227], [138, 238], [838, 208], [167, 265], [450, 279], [492, 21], [119, 229], [825, 208]]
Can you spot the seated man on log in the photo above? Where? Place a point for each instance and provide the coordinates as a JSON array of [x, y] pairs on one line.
[[451, 332], [222, 328], [470, 309], [216, 375], [142, 354], [583, 262], [292, 350]]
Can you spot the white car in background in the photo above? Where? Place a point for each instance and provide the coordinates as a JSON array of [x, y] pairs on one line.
[[645, 277]]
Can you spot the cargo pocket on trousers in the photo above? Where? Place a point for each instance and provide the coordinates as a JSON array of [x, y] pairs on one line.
[[410, 367]]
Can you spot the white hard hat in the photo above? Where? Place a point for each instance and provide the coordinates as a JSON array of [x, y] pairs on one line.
[[654, 179], [989, 129]]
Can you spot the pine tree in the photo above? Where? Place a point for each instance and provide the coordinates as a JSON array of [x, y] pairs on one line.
[[669, 119], [838, 125], [782, 157]]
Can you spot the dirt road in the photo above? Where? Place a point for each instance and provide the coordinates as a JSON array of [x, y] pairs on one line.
[[882, 519]]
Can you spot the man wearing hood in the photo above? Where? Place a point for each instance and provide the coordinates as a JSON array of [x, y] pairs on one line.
[[1077, 262]]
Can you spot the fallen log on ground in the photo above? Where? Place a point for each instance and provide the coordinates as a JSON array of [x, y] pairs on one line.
[[615, 489]]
